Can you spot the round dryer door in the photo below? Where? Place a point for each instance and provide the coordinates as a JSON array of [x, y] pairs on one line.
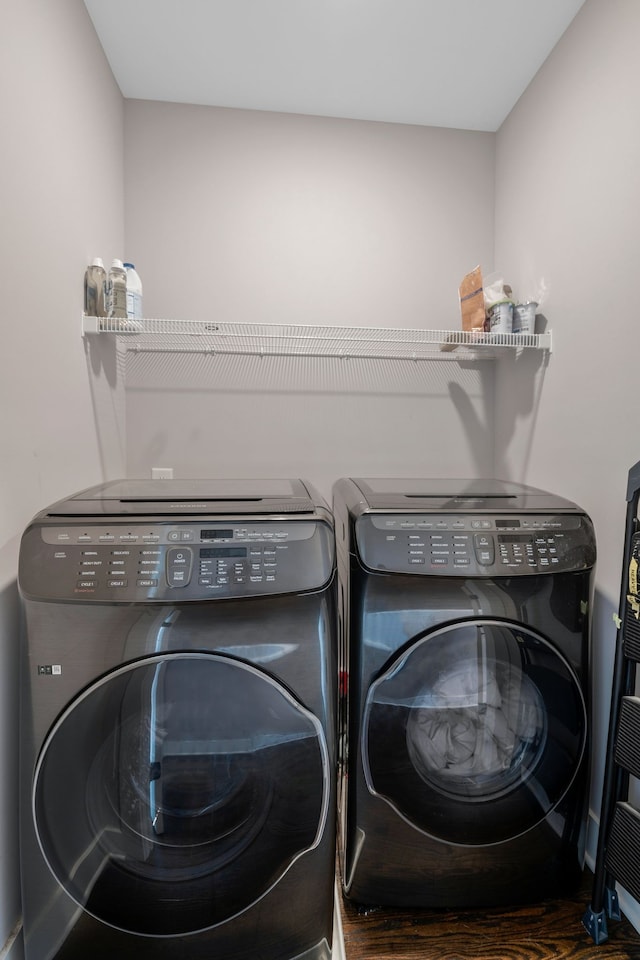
[[176, 791], [476, 732]]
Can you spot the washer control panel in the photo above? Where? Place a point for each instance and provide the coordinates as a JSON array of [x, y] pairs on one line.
[[491, 546], [175, 561]]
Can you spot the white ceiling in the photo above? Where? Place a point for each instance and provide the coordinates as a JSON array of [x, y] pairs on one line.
[[446, 63]]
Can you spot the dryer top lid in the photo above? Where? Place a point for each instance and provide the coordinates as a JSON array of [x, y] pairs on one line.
[[457, 495], [192, 497]]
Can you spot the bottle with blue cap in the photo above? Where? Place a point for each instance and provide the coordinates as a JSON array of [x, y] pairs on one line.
[[134, 293]]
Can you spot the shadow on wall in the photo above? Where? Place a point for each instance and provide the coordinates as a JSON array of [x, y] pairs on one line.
[[603, 644], [204, 370], [324, 417], [479, 429], [515, 400], [106, 364]]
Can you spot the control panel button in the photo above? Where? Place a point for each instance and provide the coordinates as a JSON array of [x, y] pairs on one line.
[[178, 566], [484, 547]]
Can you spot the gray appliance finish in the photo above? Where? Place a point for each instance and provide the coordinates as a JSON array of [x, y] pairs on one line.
[[464, 610], [178, 710]]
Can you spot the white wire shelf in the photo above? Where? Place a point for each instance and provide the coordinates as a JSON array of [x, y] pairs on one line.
[[267, 339]]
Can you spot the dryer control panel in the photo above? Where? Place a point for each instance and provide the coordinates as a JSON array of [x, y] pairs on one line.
[[475, 545], [173, 561]]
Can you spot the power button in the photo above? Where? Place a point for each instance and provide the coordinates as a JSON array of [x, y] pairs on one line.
[[484, 547], [179, 562]]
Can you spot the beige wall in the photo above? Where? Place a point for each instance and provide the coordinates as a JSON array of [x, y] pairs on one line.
[[244, 216], [250, 216], [61, 197], [567, 202]]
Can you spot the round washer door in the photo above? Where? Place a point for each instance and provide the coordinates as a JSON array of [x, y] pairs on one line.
[[176, 791], [476, 732]]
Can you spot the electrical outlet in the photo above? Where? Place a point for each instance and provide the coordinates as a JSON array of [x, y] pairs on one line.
[[162, 473]]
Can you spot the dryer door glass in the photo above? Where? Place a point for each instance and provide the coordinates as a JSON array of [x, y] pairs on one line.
[[176, 791], [476, 732]]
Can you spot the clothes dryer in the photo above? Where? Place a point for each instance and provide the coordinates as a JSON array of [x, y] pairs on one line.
[[465, 653], [177, 735]]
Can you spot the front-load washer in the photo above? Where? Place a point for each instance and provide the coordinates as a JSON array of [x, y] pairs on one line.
[[464, 610], [178, 723]]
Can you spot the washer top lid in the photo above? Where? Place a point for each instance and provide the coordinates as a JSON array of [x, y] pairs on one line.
[[193, 497], [458, 495]]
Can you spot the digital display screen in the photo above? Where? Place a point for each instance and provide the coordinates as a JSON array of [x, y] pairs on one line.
[[208, 553], [515, 538], [507, 523], [216, 534]]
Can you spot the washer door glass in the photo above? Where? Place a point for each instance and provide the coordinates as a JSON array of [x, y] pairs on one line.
[[476, 732], [176, 791]]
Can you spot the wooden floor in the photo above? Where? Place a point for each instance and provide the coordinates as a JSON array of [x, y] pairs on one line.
[[548, 931]]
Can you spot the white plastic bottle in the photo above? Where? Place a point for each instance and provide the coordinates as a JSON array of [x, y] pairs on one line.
[[117, 290], [134, 293], [95, 288]]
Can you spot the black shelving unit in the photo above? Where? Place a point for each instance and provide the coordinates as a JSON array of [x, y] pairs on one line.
[[618, 850]]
